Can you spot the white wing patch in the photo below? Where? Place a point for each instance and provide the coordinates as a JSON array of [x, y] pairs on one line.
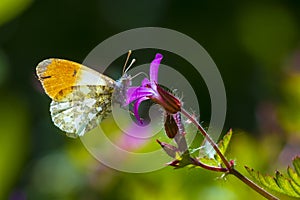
[[89, 76], [82, 110]]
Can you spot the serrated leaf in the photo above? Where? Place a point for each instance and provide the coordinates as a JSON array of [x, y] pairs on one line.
[[223, 145], [296, 164], [285, 184], [181, 160], [209, 161], [294, 176], [295, 187], [278, 183], [265, 180], [212, 158], [270, 180]]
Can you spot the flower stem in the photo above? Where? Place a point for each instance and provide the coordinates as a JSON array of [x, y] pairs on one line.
[[229, 165], [208, 167], [252, 184], [208, 138]]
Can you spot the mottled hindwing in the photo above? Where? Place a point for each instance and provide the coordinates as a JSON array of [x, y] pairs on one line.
[[81, 97], [82, 110]]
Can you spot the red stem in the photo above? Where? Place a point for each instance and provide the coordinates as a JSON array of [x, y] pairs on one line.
[[229, 167], [208, 167], [208, 138], [251, 184]]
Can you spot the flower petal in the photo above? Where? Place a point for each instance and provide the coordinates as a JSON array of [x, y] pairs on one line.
[[145, 82], [139, 92], [130, 91], [154, 67], [136, 108]]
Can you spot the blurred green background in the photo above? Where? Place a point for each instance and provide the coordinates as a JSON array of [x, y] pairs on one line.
[[255, 45]]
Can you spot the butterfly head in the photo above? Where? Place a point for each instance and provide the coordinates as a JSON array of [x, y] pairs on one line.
[[121, 87]]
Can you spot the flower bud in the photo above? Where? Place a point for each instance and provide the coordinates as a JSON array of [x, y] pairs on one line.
[[171, 127]]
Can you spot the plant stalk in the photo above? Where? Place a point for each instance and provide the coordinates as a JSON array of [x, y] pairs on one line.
[[251, 184], [207, 137], [229, 165]]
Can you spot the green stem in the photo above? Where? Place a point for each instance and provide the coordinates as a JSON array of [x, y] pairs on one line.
[[229, 166], [252, 184]]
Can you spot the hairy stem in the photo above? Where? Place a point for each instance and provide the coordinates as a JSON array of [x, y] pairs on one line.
[[229, 166], [208, 167], [252, 184], [208, 138]]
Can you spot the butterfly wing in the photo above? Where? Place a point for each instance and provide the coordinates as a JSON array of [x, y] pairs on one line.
[[82, 110], [58, 74], [81, 97]]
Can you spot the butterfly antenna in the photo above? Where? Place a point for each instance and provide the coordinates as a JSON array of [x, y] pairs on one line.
[[133, 61], [124, 67]]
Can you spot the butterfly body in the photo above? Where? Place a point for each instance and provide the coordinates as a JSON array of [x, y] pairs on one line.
[[81, 97]]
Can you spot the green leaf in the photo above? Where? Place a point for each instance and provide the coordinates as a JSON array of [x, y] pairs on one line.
[[296, 164], [294, 176], [223, 145], [265, 180], [209, 161], [182, 160], [286, 184], [214, 160]]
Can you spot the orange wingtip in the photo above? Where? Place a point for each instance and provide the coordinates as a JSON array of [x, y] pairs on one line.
[[57, 75]]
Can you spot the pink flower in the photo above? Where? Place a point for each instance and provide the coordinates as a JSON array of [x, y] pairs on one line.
[[149, 89]]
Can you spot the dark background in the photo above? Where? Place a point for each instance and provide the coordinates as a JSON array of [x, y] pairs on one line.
[[255, 46]]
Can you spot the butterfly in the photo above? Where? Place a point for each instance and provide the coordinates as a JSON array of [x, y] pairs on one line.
[[81, 97]]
